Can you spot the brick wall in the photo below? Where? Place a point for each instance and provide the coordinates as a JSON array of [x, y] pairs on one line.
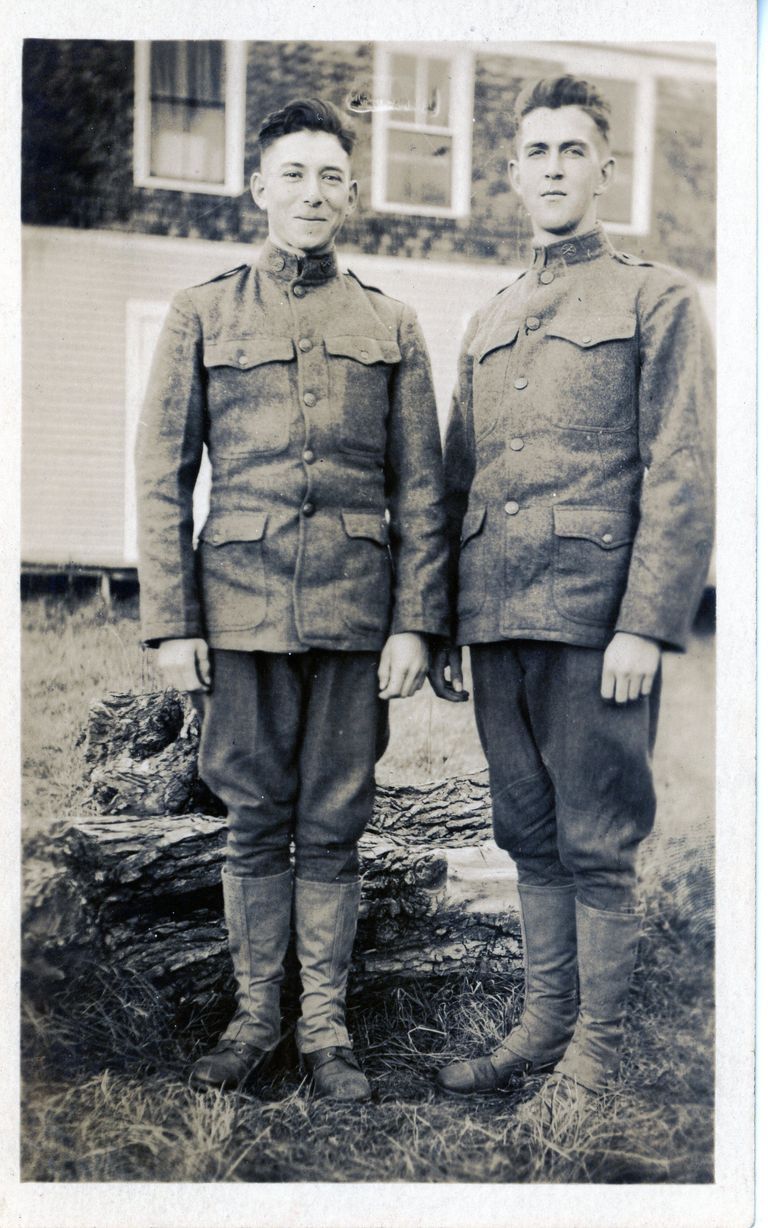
[[77, 156]]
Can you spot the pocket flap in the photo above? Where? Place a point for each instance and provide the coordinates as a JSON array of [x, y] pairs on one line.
[[473, 522], [606, 527], [495, 339], [586, 331], [234, 527], [247, 352], [366, 524], [363, 349]]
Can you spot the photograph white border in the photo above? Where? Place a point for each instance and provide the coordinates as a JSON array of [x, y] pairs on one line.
[[727, 1202]]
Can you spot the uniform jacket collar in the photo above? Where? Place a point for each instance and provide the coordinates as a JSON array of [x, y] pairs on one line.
[[310, 269], [574, 250]]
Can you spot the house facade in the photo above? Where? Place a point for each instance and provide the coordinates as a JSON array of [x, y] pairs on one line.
[[135, 166]]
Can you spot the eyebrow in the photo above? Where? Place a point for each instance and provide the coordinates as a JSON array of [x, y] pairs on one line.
[[563, 144], [302, 166]]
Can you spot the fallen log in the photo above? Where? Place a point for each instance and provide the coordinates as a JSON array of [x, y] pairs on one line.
[[137, 887]]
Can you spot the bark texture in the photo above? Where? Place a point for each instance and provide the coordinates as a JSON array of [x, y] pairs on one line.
[[137, 886]]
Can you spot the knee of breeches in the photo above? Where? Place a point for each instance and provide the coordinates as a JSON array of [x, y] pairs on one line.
[[327, 864]]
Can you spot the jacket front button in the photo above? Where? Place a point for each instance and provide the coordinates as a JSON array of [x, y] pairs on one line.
[[546, 277], [521, 382], [533, 323], [305, 345], [511, 508], [516, 444], [308, 509], [299, 291], [242, 359], [308, 456], [309, 399], [607, 538]]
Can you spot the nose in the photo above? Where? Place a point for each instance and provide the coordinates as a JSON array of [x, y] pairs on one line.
[[312, 192], [554, 166]]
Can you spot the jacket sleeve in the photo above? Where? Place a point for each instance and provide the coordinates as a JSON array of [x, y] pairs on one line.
[[672, 546], [459, 464], [414, 483], [169, 450]]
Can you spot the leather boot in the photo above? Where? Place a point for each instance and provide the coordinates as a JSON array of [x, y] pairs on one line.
[[325, 918], [548, 926], [607, 945], [257, 912]]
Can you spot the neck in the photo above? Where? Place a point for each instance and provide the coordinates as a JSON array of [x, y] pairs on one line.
[[299, 252]]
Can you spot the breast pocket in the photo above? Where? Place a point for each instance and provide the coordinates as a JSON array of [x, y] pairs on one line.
[[250, 394], [593, 548], [492, 353], [364, 586], [232, 576], [593, 362], [360, 368]]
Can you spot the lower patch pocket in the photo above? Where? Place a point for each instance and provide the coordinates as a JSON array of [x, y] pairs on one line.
[[365, 584], [232, 571], [593, 548]]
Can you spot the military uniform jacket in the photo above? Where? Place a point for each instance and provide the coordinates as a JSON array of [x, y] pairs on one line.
[[577, 459], [313, 396]]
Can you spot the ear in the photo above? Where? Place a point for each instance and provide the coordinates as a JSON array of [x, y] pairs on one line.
[[257, 189], [352, 197], [513, 171], [606, 176]]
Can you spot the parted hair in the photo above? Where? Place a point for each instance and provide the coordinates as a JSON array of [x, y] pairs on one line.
[[565, 91], [305, 115]]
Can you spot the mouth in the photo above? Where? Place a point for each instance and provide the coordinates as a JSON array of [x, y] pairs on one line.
[[301, 218], [553, 193]]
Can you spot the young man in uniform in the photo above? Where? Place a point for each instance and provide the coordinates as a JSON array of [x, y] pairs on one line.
[[580, 502], [319, 575]]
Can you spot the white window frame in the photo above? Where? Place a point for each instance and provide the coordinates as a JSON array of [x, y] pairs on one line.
[[234, 126], [595, 61], [459, 129]]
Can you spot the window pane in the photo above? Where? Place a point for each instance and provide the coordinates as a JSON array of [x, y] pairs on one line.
[[187, 111], [402, 86], [419, 169], [187, 143], [616, 205], [188, 71], [438, 93]]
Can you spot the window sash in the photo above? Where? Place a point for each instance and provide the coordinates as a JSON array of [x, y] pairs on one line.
[[200, 88], [443, 116]]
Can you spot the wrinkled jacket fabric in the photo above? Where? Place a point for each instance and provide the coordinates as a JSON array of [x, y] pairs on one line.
[[313, 396], [578, 464]]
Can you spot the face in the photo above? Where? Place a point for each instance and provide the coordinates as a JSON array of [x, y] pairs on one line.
[[305, 187], [561, 167]]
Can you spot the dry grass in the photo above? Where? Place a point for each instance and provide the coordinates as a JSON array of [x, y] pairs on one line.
[[105, 1095]]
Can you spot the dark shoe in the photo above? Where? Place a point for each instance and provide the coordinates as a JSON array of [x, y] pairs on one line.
[[482, 1075], [227, 1067], [336, 1074]]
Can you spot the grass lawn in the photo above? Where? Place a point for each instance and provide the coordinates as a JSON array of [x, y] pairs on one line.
[[105, 1097]]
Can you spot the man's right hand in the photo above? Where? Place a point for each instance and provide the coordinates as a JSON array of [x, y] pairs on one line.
[[445, 674], [185, 664]]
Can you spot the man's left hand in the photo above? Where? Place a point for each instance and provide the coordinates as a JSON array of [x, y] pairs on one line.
[[403, 665], [629, 667]]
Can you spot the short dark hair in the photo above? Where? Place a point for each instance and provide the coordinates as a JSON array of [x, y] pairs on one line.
[[305, 115], [566, 91]]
